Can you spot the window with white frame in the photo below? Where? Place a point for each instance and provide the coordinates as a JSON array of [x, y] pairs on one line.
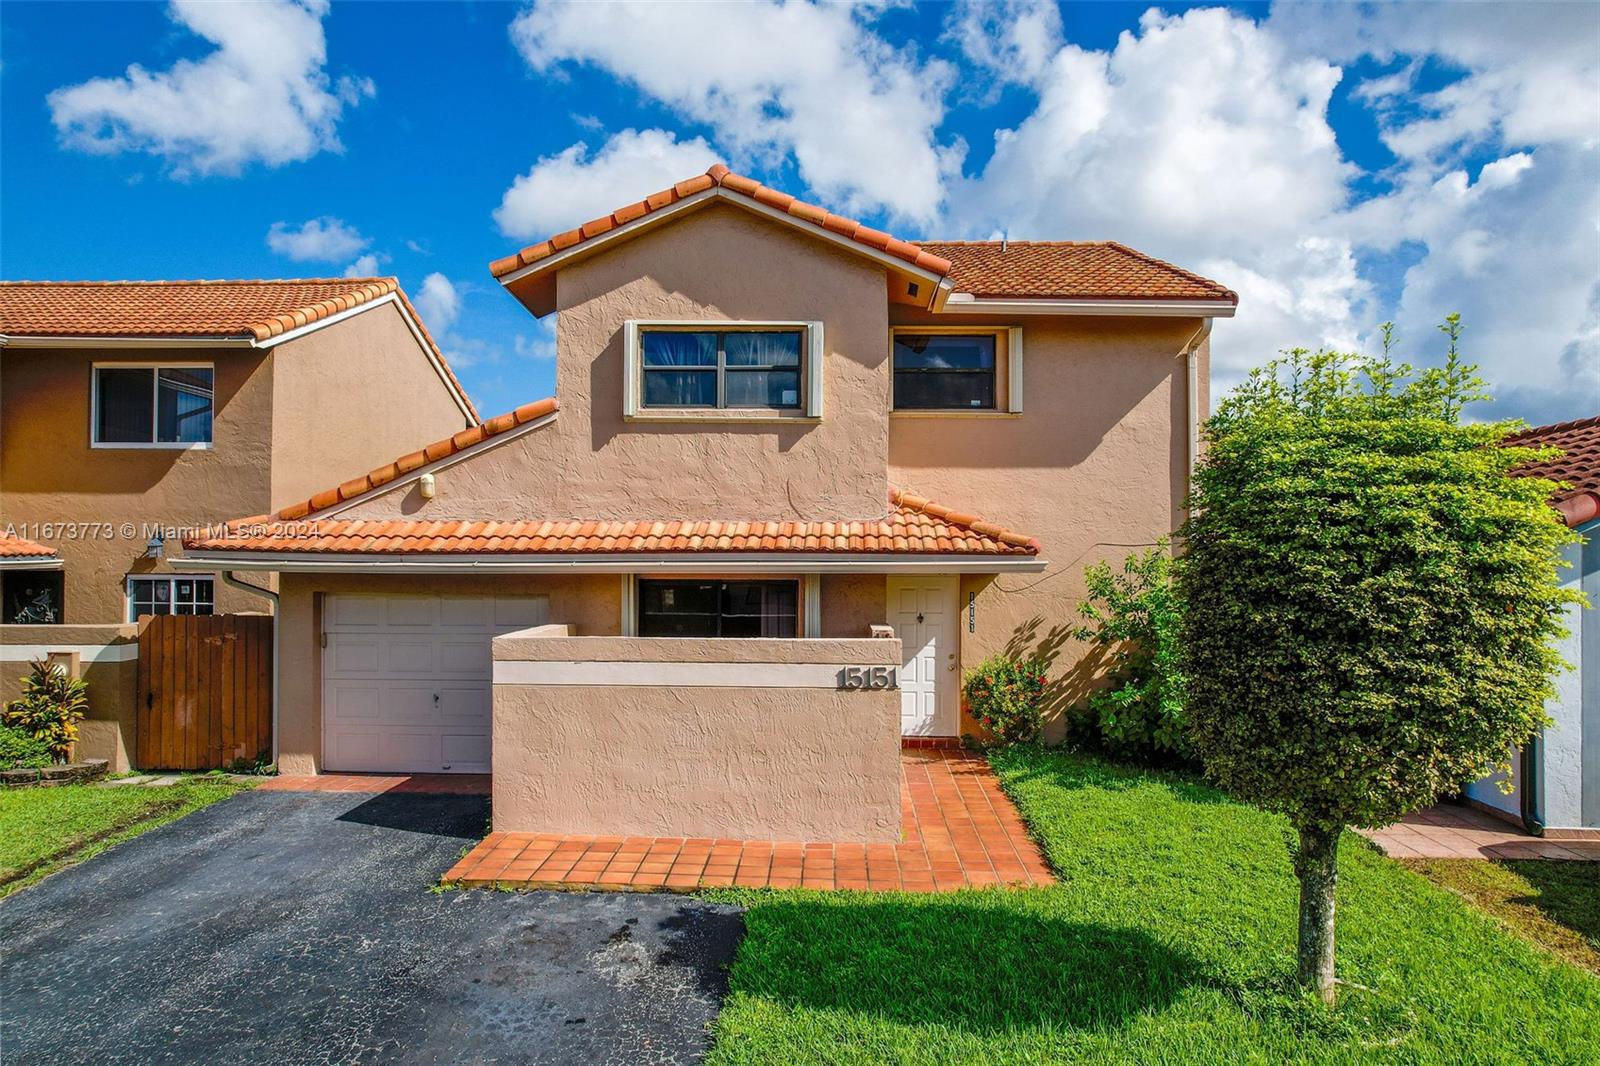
[[748, 368], [164, 594], [152, 406]]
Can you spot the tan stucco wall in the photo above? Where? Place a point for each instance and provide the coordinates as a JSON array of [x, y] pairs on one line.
[[719, 264], [351, 397], [851, 603], [1095, 468], [589, 604], [697, 761], [109, 728], [49, 473]]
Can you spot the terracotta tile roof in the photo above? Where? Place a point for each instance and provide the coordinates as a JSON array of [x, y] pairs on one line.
[[14, 547], [913, 526], [1579, 465], [720, 175], [1069, 270], [253, 309]]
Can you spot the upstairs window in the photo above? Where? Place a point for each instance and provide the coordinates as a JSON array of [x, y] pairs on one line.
[[944, 371], [718, 608], [152, 406], [733, 368]]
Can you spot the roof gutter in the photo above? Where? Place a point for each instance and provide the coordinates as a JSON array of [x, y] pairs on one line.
[[633, 563], [968, 304], [30, 562], [272, 598]]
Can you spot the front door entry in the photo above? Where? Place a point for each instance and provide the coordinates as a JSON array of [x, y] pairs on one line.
[[923, 612]]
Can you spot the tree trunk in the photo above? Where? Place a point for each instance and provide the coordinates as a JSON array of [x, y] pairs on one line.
[[1316, 867]]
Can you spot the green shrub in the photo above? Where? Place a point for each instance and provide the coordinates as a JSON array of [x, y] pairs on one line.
[[49, 709], [1006, 695], [1134, 614], [19, 751]]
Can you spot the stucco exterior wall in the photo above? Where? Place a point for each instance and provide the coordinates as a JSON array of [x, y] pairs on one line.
[[351, 397], [852, 602], [50, 474], [1095, 467], [719, 264], [590, 604], [763, 760], [108, 661]]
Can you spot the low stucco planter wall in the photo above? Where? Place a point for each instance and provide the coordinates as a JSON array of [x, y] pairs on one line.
[[754, 739], [108, 659]]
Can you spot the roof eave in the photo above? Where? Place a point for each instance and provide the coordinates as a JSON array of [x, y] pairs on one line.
[[607, 562], [967, 303]]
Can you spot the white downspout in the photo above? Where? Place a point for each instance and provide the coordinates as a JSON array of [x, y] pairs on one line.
[[272, 597], [1191, 351]]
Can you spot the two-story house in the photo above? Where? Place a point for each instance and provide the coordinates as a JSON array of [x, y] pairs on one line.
[[776, 432], [131, 412]]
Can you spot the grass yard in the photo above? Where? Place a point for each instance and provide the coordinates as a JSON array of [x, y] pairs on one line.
[[1169, 940], [45, 829], [1554, 904]]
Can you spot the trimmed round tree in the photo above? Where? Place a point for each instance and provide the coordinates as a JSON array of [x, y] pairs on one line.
[[1369, 602]]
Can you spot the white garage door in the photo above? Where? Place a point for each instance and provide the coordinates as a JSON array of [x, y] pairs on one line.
[[407, 680]]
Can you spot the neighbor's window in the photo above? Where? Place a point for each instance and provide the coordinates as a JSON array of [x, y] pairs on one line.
[[944, 371], [727, 368], [154, 406], [168, 595], [30, 597], [718, 608]]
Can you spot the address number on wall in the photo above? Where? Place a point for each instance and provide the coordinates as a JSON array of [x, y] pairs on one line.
[[869, 677]]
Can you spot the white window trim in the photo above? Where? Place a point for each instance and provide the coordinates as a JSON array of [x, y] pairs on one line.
[[633, 374], [127, 588], [1013, 397], [165, 446]]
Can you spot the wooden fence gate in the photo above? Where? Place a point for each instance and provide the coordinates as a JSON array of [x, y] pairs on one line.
[[205, 690]]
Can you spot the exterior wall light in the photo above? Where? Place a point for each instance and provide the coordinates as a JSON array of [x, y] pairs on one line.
[[427, 488], [153, 548]]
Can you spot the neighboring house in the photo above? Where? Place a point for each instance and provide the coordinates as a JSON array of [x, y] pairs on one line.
[[131, 412], [773, 422], [1564, 761]]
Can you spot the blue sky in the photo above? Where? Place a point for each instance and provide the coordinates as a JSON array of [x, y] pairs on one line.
[[1337, 165]]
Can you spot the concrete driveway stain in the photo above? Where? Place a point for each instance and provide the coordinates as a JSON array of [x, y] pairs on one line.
[[293, 927]]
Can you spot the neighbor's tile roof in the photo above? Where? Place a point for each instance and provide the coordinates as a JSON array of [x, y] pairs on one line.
[[1069, 270], [913, 526], [720, 175], [258, 309], [14, 547], [1579, 465]]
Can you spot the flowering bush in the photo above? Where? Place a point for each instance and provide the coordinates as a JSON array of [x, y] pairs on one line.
[[1005, 695], [49, 709]]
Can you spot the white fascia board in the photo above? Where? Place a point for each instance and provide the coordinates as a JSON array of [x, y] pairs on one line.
[[708, 563], [31, 562], [432, 468], [965, 303], [246, 341], [718, 192]]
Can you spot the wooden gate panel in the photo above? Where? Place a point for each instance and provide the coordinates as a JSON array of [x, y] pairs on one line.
[[205, 691]]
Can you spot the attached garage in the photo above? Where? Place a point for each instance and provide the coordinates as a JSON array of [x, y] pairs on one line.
[[407, 679]]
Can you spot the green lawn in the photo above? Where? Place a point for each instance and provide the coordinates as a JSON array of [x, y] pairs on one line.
[[1169, 940], [44, 829], [1554, 904]]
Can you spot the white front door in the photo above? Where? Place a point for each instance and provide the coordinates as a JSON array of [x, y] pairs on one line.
[[407, 681], [924, 614]]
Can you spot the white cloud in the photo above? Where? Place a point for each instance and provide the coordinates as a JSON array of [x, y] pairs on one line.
[[365, 266], [542, 345], [439, 303], [1014, 40], [264, 95], [572, 187], [325, 238], [796, 80]]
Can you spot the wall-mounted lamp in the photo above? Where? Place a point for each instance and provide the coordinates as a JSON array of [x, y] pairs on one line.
[[153, 548], [427, 488]]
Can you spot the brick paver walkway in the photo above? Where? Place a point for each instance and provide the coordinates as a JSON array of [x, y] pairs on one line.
[[958, 829], [433, 784], [1450, 831]]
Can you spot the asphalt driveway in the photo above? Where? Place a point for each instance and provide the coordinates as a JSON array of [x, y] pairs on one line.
[[293, 927]]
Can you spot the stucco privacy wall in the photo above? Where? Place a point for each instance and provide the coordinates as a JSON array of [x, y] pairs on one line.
[[1095, 466], [351, 397], [696, 738], [108, 659], [49, 472], [588, 603], [720, 263]]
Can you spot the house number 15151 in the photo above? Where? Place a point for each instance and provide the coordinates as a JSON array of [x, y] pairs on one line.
[[867, 677]]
